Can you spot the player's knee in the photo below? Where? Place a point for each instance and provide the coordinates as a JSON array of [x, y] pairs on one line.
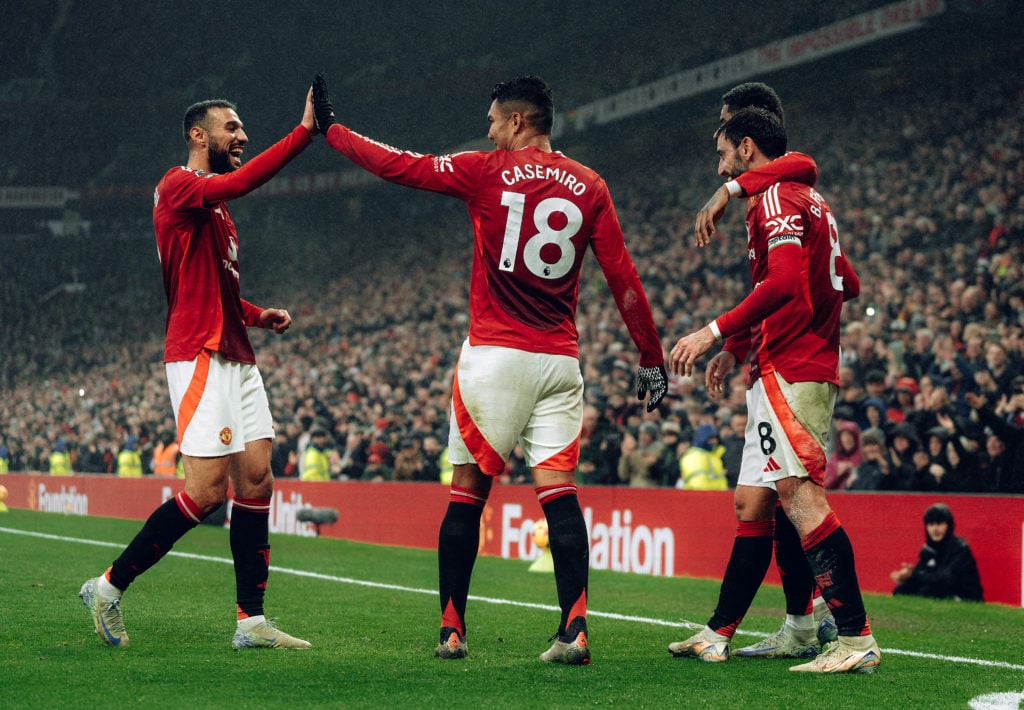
[[207, 498]]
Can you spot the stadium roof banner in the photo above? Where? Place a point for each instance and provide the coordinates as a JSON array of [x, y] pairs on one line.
[[839, 36], [36, 197]]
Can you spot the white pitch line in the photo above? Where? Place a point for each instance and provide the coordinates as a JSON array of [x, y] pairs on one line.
[[492, 600]]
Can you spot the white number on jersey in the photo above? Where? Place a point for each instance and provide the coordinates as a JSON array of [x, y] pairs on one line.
[[834, 254], [516, 203]]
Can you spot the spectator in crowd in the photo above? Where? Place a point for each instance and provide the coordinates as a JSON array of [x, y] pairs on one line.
[[355, 455], [874, 472], [60, 459], [283, 457], [316, 461], [641, 454], [408, 461], [932, 467], [376, 470], [599, 449], [999, 367], [845, 457], [732, 443], [904, 392], [874, 414], [666, 469], [97, 455], [165, 454], [431, 452], [945, 568], [5, 461], [129, 459], [1003, 470], [701, 467]]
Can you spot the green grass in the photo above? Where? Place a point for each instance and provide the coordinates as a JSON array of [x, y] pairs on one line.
[[373, 645]]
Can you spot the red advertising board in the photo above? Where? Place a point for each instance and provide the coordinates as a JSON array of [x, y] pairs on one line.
[[654, 531]]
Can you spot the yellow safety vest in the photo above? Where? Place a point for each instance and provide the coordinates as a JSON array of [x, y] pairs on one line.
[[315, 465], [701, 470], [60, 463], [447, 470], [129, 464]]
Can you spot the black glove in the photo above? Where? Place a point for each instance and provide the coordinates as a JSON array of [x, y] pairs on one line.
[[323, 112], [653, 380]]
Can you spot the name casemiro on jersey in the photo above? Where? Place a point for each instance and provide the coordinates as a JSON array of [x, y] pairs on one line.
[[543, 172]]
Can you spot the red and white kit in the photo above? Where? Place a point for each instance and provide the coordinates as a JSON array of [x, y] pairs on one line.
[[534, 214]]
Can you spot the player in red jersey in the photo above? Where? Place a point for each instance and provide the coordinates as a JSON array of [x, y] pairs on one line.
[[789, 323], [534, 214], [808, 624], [225, 429]]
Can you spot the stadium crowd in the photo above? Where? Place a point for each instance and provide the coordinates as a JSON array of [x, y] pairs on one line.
[[931, 212]]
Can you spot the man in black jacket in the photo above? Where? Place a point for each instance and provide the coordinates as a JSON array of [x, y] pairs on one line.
[[945, 566]]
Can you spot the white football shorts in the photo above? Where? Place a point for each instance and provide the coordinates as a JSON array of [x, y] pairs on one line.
[[219, 405], [787, 430], [502, 396]]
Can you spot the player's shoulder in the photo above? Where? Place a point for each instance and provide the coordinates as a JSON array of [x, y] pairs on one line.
[[180, 173], [794, 191]]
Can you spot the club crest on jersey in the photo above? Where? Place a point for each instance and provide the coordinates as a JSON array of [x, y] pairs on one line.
[[226, 436]]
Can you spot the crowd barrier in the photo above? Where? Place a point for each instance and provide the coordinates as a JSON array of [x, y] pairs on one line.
[[654, 531]]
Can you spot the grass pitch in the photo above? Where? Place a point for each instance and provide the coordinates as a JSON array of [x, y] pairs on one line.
[[371, 613]]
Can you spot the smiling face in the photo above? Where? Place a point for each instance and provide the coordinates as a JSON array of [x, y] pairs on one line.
[[225, 139], [730, 160]]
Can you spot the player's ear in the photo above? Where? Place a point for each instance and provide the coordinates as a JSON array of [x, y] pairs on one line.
[[746, 147], [197, 134]]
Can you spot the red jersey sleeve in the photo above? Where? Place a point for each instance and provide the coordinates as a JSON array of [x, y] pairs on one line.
[[620, 272], [435, 173], [790, 167], [256, 171], [738, 344], [781, 284], [251, 314], [851, 282]]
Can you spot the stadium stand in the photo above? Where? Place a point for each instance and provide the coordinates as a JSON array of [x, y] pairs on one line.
[[921, 161]]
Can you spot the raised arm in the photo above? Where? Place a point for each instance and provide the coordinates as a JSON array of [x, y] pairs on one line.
[[791, 167]]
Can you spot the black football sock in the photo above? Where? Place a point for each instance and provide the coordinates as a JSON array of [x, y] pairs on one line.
[[164, 527], [794, 570], [830, 555], [457, 544], [250, 549], [748, 563], [570, 553]]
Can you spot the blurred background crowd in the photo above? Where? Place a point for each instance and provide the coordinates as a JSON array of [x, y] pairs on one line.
[[921, 161]]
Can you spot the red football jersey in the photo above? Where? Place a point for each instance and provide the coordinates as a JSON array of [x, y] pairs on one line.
[[800, 279], [534, 213], [791, 166], [198, 248]]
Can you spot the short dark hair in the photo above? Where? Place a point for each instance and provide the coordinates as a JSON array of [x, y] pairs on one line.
[[754, 94], [195, 115], [760, 126], [530, 90]]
